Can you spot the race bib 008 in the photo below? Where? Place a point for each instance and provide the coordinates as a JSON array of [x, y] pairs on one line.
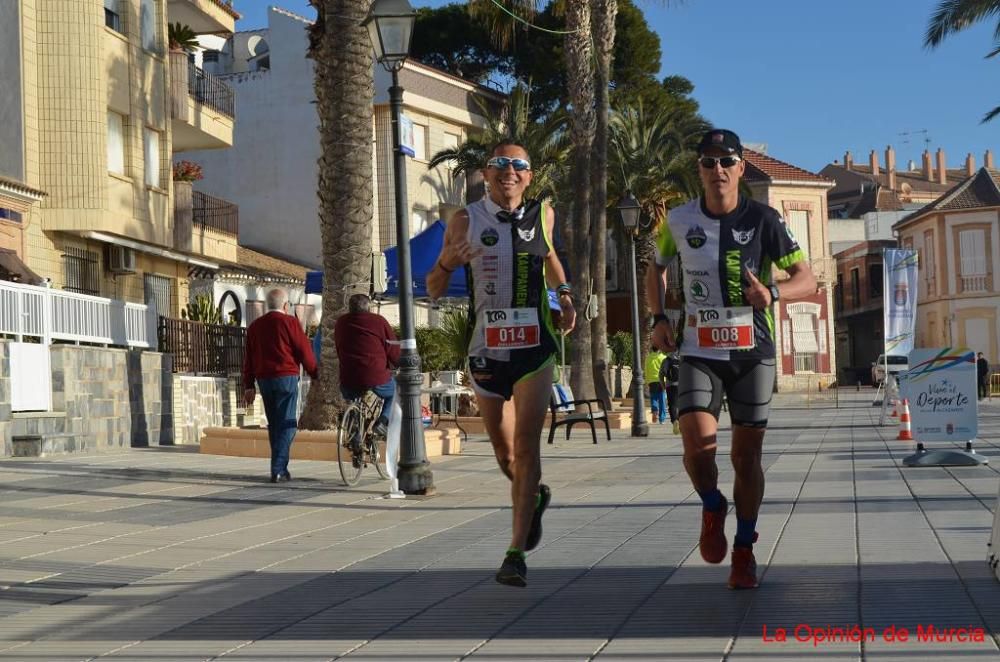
[[511, 328], [725, 328]]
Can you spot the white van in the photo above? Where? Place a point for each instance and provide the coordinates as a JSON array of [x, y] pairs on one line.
[[897, 364]]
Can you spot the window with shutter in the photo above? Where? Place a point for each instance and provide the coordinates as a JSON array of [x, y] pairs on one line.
[[116, 143], [972, 245], [804, 333], [798, 223]]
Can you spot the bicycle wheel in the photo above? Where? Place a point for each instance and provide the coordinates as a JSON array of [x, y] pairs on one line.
[[350, 454], [375, 452]]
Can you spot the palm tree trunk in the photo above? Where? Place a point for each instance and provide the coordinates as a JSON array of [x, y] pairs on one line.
[[580, 83], [341, 50], [604, 41]]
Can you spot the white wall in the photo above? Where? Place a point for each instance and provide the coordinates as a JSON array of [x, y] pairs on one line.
[[844, 233], [270, 171]]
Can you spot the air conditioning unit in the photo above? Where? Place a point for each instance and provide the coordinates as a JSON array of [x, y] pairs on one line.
[[121, 260]]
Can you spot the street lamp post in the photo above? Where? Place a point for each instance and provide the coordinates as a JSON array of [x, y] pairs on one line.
[[630, 210], [390, 25]]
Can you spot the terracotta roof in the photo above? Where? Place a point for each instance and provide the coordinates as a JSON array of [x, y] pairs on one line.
[[763, 168], [268, 265], [228, 8], [915, 178], [976, 192]]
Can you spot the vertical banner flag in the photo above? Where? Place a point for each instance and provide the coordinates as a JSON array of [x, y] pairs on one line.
[[899, 284], [406, 136], [941, 388]]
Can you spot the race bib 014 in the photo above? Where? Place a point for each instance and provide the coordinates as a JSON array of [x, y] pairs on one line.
[[725, 328], [512, 328]]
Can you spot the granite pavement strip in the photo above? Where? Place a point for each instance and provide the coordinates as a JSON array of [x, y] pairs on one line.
[[164, 554]]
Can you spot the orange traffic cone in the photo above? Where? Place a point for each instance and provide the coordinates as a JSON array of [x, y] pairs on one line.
[[904, 423]]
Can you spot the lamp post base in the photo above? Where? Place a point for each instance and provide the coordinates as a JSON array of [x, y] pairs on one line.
[[416, 478], [640, 429]]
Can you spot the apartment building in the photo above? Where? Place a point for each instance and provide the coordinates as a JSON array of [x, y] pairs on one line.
[[803, 328], [272, 169], [95, 106], [957, 238]]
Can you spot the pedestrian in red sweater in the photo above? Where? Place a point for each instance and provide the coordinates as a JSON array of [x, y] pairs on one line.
[[367, 349], [276, 346]]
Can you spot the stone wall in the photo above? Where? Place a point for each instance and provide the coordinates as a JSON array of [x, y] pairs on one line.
[[113, 397], [203, 402]]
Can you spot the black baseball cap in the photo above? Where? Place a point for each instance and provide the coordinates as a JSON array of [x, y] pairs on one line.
[[721, 139]]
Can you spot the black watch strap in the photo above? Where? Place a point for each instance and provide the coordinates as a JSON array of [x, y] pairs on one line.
[[775, 293], [660, 317]]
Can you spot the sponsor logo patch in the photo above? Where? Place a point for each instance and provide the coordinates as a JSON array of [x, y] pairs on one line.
[[743, 237], [699, 291], [526, 235], [696, 237], [489, 237]]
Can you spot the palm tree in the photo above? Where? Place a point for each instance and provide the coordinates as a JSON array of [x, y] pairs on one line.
[[603, 27], [653, 154], [953, 16], [504, 20], [342, 52], [546, 142], [583, 126]]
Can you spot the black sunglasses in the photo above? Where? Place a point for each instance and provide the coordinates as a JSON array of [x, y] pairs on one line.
[[501, 163], [708, 162]]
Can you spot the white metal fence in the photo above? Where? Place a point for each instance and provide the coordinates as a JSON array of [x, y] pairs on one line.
[[27, 311]]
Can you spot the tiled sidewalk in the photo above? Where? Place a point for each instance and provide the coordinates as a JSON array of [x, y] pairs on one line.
[[168, 555]]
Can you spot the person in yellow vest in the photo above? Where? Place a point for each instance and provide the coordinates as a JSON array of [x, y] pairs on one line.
[[657, 396]]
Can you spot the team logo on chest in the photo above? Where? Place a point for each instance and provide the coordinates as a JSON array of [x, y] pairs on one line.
[[699, 291], [696, 237], [743, 237], [489, 237], [526, 235]]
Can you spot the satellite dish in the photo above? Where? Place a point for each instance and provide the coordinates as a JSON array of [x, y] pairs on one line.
[[256, 45]]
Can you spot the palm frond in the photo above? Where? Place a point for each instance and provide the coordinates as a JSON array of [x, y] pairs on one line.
[[990, 116], [953, 16]]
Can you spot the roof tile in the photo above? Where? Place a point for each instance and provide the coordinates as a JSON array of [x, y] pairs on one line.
[[763, 168]]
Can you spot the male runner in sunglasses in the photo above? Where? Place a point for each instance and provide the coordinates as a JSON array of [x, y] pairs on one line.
[[726, 244], [504, 242]]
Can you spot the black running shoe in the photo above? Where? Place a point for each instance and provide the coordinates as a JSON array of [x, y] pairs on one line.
[[535, 533], [513, 571]]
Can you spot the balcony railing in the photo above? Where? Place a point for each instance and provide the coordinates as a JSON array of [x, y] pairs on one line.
[[210, 91], [973, 283], [216, 214], [48, 314]]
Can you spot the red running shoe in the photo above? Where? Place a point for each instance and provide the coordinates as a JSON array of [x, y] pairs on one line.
[[744, 572], [713, 544]]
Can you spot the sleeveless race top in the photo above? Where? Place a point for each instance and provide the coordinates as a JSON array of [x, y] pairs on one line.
[[509, 304]]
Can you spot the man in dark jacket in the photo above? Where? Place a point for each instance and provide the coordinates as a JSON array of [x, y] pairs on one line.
[[983, 371], [367, 349], [276, 347]]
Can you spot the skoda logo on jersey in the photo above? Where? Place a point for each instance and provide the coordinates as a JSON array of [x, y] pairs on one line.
[[695, 272], [699, 291], [489, 237], [526, 235], [696, 237], [743, 237]]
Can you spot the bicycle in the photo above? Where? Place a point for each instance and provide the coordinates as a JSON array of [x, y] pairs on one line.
[[357, 438]]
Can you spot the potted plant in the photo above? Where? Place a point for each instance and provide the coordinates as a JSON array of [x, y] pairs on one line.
[[188, 171]]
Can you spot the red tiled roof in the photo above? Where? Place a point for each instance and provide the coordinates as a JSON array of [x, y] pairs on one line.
[[976, 192], [228, 8], [763, 168]]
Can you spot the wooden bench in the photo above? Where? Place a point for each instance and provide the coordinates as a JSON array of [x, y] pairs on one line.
[[595, 412]]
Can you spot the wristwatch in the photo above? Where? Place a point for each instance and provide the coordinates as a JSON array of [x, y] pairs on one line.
[[660, 317], [775, 293]]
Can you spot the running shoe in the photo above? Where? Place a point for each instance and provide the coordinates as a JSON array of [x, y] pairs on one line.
[[513, 571], [677, 427], [535, 533], [713, 544], [744, 571]]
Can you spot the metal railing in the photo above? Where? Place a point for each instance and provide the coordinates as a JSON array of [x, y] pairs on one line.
[[215, 213], [47, 314], [214, 349], [210, 91]]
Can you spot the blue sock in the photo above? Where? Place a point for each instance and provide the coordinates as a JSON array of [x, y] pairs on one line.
[[745, 528], [712, 500]]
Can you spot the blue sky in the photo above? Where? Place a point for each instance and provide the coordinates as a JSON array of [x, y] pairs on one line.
[[813, 79]]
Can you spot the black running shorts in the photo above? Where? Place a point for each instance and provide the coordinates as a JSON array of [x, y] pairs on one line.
[[747, 385], [492, 378]]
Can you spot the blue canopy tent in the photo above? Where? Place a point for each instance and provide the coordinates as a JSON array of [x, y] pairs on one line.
[[424, 250]]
